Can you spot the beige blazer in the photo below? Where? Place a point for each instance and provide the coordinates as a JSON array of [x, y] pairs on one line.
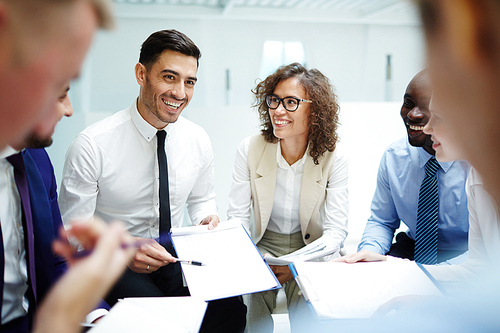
[[263, 166]]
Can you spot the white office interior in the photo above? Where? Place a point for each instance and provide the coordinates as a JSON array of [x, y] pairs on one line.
[[370, 50]]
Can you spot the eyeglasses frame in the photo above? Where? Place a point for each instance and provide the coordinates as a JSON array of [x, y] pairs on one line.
[[281, 101]]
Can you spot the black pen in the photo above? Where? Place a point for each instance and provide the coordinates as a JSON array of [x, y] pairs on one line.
[[191, 262]]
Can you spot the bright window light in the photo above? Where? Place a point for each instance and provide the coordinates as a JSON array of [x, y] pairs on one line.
[[277, 53]]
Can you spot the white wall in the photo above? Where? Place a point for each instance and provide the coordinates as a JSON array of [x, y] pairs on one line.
[[352, 56]]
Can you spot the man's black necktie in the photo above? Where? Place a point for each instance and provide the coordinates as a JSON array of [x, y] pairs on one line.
[[165, 219]]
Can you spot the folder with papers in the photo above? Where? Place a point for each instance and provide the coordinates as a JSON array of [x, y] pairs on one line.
[[232, 264], [341, 290]]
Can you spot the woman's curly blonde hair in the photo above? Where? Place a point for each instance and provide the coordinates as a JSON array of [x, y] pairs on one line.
[[324, 116]]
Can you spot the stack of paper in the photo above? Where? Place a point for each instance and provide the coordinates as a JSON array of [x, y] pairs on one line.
[[232, 265], [308, 252]]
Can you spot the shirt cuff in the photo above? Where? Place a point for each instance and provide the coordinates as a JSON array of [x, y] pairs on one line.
[[94, 315], [371, 248]]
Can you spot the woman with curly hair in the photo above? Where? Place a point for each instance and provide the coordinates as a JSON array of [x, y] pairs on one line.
[[293, 177]]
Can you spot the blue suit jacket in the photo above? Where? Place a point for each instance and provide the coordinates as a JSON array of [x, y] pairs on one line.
[[46, 221], [46, 218]]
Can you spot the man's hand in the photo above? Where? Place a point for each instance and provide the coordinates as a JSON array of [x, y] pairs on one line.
[[211, 220], [283, 273], [362, 255], [150, 256], [88, 278]]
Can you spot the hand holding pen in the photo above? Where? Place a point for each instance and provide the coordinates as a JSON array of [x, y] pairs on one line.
[[150, 256]]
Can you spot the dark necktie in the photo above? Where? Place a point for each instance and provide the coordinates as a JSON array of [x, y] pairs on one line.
[[22, 187], [426, 236], [165, 219]]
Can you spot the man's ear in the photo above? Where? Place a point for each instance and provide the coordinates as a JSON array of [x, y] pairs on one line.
[[470, 31], [140, 73]]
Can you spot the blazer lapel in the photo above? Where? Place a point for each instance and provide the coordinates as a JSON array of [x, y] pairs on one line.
[[265, 183], [311, 188]]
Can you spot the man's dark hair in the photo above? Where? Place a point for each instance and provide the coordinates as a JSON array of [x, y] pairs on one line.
[[163, 40]]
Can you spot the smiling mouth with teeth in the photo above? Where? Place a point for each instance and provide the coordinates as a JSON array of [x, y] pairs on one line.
[[281, 122], [172, 105], [416, 128]]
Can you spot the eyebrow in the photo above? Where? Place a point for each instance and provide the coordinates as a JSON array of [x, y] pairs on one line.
[[165, 71]]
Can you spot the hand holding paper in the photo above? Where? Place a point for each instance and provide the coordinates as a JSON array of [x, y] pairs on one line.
[[311, 251], [212, 221], [283, 273]]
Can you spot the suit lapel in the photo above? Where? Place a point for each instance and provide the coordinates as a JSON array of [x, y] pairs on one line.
[[265, 183], [311, 189]]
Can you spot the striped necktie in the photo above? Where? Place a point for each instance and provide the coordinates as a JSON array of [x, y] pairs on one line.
[[426, 236]]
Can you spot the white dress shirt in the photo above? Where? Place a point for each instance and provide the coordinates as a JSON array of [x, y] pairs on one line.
[[484, 238], [15, 304], [285, 217], [111, 169]]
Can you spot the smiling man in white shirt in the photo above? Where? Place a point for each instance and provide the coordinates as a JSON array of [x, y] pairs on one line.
[[112, 170]]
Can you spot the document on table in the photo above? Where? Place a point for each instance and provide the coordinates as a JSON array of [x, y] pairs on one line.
[[232, 264], [341, 290], [150, 314]]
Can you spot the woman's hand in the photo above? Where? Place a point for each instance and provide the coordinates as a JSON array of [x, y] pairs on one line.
[[283, 273]]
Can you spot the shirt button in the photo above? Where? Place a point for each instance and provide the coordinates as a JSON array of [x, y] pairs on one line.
[[307, 236]]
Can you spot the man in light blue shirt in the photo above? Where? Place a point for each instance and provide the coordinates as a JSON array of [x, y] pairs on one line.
[[400, 175]]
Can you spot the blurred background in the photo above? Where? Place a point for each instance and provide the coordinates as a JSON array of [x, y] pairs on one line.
[[370, 50]]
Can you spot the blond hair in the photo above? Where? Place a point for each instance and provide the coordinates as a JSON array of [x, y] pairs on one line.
[[102, 8]]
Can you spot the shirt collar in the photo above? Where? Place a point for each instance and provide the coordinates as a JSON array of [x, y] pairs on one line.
[[282, 163], [425, 156], [147, 130], [8, 151]]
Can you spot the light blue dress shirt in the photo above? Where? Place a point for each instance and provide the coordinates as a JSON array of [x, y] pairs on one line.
[[400, 174]]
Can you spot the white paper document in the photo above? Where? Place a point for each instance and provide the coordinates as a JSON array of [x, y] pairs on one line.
[[341, 290], [232, 265], [306, 253], [150, 314]]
